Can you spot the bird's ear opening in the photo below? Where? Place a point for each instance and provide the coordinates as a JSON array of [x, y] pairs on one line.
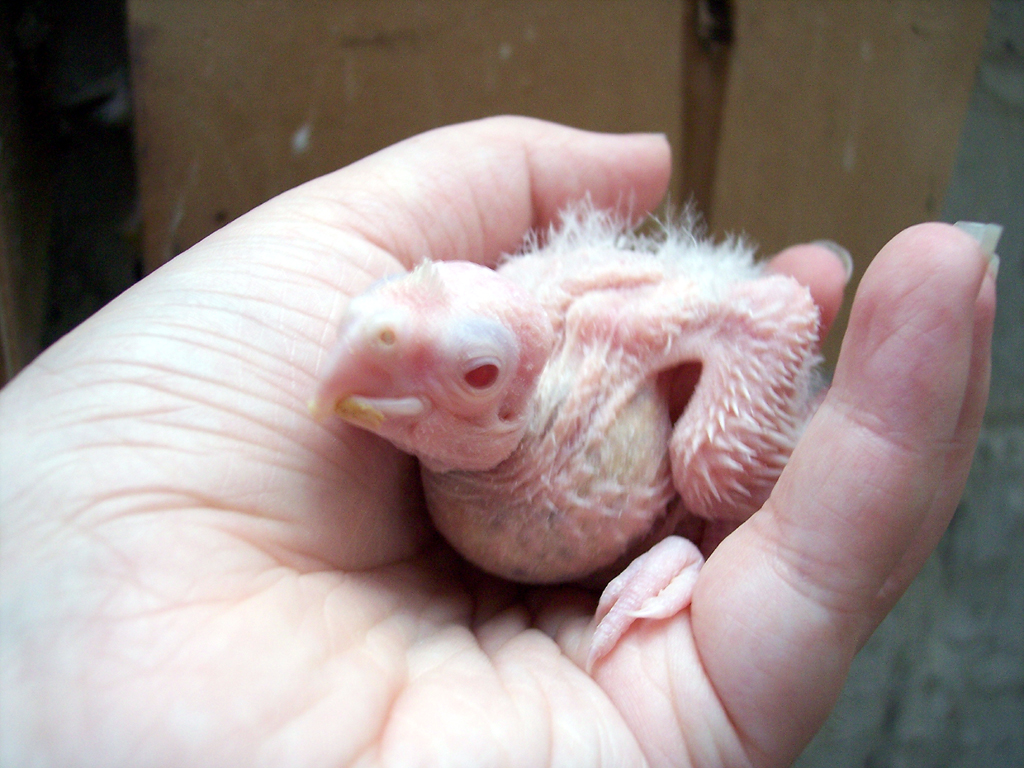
[[679, 383]]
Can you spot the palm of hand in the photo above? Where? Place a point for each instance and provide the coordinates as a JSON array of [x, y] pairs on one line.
[[198, 573]]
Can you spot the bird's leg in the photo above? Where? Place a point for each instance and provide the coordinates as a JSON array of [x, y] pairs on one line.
[[757, 347], [657, 585]]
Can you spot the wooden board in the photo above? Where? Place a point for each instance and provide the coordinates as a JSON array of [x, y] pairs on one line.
[[236, 102], [842, 119]]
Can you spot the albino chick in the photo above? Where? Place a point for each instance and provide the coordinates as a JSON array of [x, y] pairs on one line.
[[543, 400]]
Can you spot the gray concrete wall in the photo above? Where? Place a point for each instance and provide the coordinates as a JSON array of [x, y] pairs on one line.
[[941, 683]]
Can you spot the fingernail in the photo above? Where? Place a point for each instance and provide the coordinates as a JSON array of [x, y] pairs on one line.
[[993, 265], [842, 253], [987, 236]]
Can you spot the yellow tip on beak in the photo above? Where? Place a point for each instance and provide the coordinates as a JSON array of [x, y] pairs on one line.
[[358, 411], [368, 412]]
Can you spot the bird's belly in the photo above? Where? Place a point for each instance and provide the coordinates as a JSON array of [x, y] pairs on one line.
[[557, 509]]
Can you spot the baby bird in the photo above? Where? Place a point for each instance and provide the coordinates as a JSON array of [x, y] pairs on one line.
[[572, 409]]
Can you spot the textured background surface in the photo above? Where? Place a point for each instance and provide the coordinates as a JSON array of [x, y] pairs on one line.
[[236, 103], [941, 683]]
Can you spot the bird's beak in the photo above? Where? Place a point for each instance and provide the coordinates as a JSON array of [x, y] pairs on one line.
[[359, 411], [365, 384], [367, 412]]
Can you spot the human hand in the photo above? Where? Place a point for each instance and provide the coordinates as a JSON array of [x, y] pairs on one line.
[[193, 571]]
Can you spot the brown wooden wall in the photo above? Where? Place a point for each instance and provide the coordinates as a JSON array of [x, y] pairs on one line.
[[789, 121]]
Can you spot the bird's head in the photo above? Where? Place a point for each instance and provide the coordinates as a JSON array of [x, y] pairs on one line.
[[441, 362]]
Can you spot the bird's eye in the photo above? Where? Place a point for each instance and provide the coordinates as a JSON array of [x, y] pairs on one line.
[[482, 376], [482, 355], [386, 336]]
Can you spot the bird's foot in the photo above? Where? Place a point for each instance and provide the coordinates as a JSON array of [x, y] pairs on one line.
[[657, 585]]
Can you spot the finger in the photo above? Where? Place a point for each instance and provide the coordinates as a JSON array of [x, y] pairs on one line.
[[895, 406], [472, 191], [958, 463], [787, 600], [823, 268]]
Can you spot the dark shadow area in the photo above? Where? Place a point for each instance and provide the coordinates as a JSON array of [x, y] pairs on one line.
[[70, 62]]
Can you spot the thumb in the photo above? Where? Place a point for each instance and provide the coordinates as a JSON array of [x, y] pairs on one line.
[[787, 601]]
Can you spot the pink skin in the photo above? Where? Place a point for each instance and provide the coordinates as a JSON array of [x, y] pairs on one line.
[[542, 422], [449, 381], [194, 572]]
